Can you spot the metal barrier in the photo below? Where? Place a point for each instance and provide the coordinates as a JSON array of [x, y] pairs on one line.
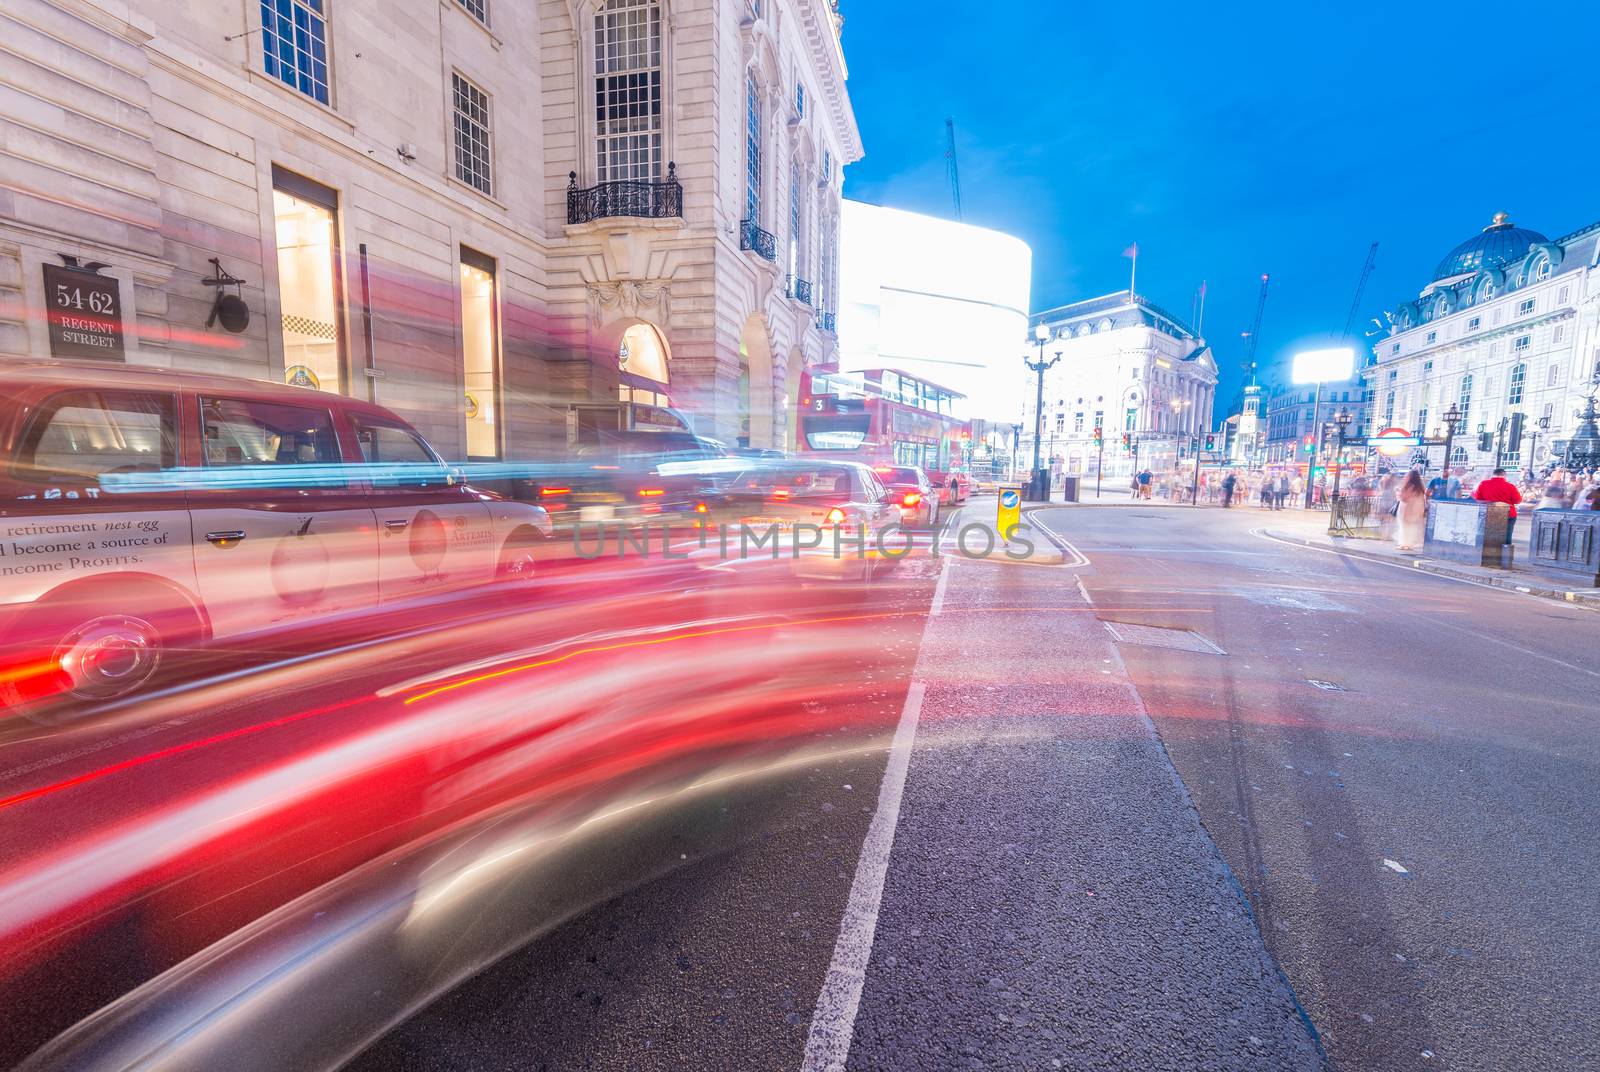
[[1356, 516]]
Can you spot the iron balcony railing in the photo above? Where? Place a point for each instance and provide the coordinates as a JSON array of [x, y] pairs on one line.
[[641, 200], [799, 289], [825, 322], [751, 236]]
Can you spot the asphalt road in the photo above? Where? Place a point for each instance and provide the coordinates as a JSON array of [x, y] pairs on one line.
[[1196, 799], [1366, 719]]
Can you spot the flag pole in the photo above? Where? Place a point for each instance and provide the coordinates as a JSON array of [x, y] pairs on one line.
[[1200, 321], [1133, 276]]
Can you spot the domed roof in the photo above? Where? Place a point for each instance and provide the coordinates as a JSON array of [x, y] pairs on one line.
[[1497, 245]]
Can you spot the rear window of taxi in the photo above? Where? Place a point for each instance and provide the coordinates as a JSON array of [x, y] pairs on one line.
[[80, 436]]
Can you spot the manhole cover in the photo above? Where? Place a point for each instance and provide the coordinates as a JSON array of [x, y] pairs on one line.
[[1158, 637], [1326, 686]]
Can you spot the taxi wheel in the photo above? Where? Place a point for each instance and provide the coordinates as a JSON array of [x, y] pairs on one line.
[[518, 562], [77, 656]]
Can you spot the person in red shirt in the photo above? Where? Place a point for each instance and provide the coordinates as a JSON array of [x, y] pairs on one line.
[[1498, 489]]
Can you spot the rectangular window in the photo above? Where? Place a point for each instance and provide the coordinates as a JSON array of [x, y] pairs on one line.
[[1554, 376], [305, 219], [478, 9], [1129, 419], [80, 435], [1558, 333], [238, 431], [627, 90], [1522, 343], [1433, 336], [471, 106], [480, 347], [796, 264], [1562, 297], [799, 100], [1472, 325], [294, 45], [1525, 307], [1395, 349], [1427, 367], [1519, 377], [752, 151], [1388, 410], [1061, 422]]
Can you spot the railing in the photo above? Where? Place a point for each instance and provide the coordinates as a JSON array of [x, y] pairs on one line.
[[642, 200], [751, 236], [799, 289], [825, 322]]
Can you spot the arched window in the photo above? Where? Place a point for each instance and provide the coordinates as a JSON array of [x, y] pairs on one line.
[[643, 353], [752, 150], [627, 90]]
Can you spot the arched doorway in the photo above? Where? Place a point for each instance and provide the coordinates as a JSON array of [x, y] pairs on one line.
[[643, 365], [755, 378]]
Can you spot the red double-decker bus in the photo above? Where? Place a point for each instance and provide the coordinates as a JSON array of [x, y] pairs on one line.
[[886, 417]]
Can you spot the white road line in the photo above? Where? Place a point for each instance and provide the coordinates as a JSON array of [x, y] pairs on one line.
[[833, 1023], [1082, 590], [937, 608]]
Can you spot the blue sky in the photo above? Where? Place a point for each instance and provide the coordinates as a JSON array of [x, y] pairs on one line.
[[1231, 140]]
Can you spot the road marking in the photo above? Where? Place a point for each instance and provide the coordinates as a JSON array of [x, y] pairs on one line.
[[833, 1023], [1396, 867], [1083, 591], [937, 608]]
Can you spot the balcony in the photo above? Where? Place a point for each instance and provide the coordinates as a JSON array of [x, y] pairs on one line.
[[640, 200], [798, 289], [751, 236], [826, 323]]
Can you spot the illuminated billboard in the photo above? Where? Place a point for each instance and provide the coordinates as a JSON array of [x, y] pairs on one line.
[[942, 301], [1324, 366]]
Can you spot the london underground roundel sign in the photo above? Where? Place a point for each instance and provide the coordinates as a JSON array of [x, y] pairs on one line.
[[1393, 442]]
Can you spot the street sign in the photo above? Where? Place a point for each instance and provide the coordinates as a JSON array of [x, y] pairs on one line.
[[1008, 511], [84, 312]]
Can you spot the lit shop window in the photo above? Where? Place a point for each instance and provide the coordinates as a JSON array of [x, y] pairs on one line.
[[294, 43], [642, 354], [308, 282], [481, 354]]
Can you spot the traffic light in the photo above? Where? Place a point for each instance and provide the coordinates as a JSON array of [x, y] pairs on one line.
[[1514, 436], [1485, 441], [1127, 440], [1099, 437], [1308, 448], [1211, 443]]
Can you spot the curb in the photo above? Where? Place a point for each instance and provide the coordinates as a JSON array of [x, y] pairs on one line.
[[1574, 597]]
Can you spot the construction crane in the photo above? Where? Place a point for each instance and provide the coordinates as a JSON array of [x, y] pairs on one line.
[[951, 167], [1361, 288], [1254, 334]]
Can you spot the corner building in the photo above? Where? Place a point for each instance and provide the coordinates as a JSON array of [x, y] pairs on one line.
[[482, 214], [1510, 323]]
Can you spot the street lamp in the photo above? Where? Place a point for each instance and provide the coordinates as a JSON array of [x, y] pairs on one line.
[[1452, 417], [1041, 333]]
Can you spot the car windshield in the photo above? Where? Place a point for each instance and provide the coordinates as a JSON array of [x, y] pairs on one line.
[[819, 535]]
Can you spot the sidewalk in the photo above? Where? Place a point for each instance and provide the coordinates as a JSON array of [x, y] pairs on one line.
[[1311, 528]]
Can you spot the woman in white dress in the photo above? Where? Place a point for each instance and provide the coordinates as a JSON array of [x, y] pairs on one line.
[[1411, 513]]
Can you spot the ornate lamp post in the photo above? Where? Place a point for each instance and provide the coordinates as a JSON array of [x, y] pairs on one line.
[[1342, 419], [1041, 333], [1452, 417]]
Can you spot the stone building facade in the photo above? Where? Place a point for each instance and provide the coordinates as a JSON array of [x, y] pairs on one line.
[[1509, 324], [1292, 417], [1130, 367], [480, 213]]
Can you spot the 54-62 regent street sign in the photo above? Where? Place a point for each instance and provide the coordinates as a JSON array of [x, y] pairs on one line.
[[84, 311]]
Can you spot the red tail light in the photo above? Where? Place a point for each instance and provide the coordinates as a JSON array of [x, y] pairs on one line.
[[910, 498], [780, 493], [836, 516], [652, 493], [555, 491], [701, 508]]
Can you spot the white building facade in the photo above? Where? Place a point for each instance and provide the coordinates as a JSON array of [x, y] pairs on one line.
[[1128, 367], [1292, 417], [476, 212], [1509, 324], [943, 301]]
